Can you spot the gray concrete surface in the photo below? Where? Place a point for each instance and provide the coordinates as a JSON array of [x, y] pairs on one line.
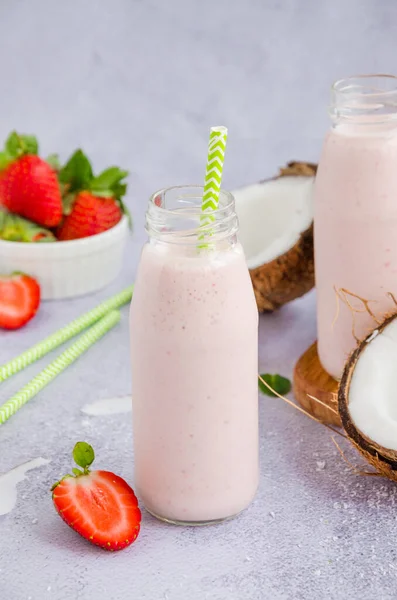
[[138, 83]]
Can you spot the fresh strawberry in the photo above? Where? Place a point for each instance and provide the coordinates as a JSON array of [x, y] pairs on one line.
[[91, 204], [19, 300], [17, 229], [90, 215], [28, 184], [99, 505]]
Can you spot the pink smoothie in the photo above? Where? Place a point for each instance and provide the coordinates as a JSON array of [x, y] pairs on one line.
[[355, 233], [194, 335]]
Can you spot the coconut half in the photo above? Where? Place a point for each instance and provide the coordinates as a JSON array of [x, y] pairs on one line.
[[276, 231], [367, 398]]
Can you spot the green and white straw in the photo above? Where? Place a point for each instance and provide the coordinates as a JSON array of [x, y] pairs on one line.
[[56, 367], [63, 335], [213, 178]]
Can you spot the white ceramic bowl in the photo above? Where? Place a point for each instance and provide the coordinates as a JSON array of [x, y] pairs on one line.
[[72, 268]]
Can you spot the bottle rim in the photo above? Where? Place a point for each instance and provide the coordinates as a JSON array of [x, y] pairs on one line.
[[364, 99], [226, 199], [346, 84], [175, 215]]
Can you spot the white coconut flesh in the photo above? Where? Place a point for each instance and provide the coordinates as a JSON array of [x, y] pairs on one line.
[[373, 388], [272, 216]]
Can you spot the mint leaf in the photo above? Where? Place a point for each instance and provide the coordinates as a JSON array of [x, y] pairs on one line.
[[77, 172], [107, 179], [83, 455], [278, 383]]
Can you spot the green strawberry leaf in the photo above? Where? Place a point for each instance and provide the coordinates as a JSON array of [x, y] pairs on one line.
[[30, 144], [16, 229], [107, 179], [18, 144], [127, 213], [45, 239], [5, 159], [68, 476], [102, 193], [278, 383], [77, 173], [54, 162], [67, 203], [13, 144], [83, 455], [111, 193], [119, 190]]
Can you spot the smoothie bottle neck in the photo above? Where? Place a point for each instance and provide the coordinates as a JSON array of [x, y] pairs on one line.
[[364, 105], [174, 217]]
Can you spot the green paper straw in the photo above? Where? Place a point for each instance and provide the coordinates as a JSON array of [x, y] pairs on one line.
[[63, 335], [56, 367], [213, 178]]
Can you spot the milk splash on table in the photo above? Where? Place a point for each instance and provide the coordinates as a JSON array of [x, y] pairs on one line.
[[9, 481], [108, 406]]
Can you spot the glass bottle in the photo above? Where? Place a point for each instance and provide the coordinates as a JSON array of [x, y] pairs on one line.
[[194, 342], [356, 215]]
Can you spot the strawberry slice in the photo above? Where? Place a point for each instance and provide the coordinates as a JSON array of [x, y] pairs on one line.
[[99, 505], [19, 300]]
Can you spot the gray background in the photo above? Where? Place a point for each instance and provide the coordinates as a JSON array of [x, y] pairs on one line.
[[138, 83]]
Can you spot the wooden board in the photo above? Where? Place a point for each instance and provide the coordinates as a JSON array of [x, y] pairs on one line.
[[311, 379]]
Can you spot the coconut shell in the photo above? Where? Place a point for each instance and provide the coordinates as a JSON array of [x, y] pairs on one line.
[[311, 381], [384, 460], [303, 169], [290, 275]]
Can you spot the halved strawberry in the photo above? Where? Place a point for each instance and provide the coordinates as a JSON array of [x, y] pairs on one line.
[[19, 300], [28, 184], [91, 204], [99, 505]]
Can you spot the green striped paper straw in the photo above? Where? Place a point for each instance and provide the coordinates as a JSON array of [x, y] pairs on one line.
[[213, 177], [56, 367], [63, 335]]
